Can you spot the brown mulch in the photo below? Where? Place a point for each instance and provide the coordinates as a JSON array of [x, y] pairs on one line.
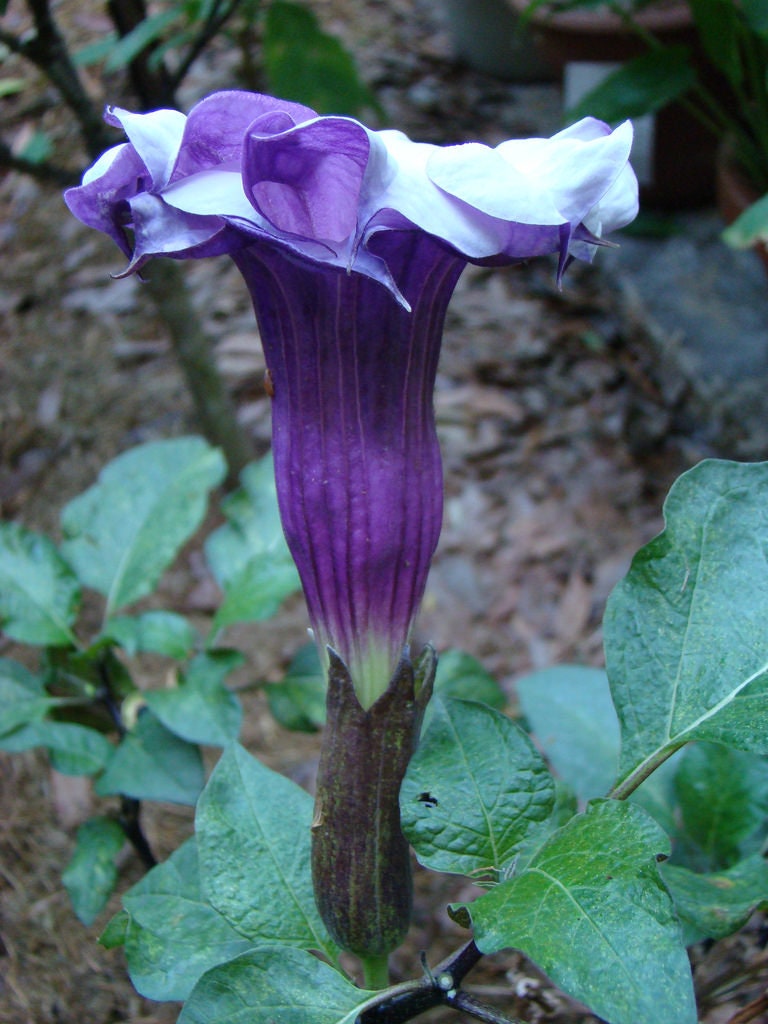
[[560, 439]]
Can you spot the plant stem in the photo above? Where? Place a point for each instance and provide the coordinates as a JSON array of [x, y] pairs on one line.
[[375, 971], [628, 785], [468, 1004], [130, 822], [213, 405], [437, 988]]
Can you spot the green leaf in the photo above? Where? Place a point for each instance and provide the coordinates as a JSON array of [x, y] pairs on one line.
[[153, 764], [200, 709], [462, 677], [641, 86], [38, 148], [12, 86], [298, 701], [123, 532], [74, 749], [22, 696], [723, 803], [686, 632], [116, 931], [750, 227], [571, 714], [718, 904], [146, 32], [474, 792], [248, 555], [90, 876], [252, 828], [157, 631], [591, 911], [264, 986], [39, 593], [305, 64], [756, 15], [171, 934], [94, 52], [718, 29]]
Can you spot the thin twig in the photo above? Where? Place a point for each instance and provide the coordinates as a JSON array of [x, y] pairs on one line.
[[130, 808], [215, 21]]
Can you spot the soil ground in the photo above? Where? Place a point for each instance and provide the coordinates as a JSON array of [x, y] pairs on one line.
[[560, 436]]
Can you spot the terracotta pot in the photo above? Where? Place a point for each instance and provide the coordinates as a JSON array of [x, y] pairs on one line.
[[674, 156], [594, 34], [735, 193]]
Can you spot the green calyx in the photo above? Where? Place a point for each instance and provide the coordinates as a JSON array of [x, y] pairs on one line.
[[361, 868]]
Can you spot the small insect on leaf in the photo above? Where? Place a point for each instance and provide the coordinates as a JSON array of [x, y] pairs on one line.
[[428, 799]]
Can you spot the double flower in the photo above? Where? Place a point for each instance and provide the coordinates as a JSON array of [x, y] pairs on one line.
[[350, 242]]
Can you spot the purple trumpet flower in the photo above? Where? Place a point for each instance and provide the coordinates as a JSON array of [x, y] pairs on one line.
[[351, 242]]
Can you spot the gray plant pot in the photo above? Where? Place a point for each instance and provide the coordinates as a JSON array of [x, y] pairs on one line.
[[487, 35]]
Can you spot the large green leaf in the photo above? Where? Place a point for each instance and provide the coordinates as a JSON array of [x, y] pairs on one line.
[[304, 63], [123, 532], [718, 26], [248, 555], [171, 934], [22, 696], [723, 805], [718, 904], [90, 876], [590, 910], [252, 828], [686, 632], [640, 86], [475, 790], [73, 749], [265, 986], [39, 593], [571, 714], [152, 763], [200, 709]]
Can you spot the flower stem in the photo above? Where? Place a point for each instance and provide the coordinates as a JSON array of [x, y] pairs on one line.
[[375, 971]]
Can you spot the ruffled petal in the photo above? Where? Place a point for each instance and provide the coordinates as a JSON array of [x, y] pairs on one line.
[[159, 230], [576, 167], [412, 194], [156, 137], [482, 178], [306, 181], [101, 201], [216, 127]]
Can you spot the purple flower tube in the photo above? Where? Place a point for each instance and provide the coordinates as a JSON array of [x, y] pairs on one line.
[[350, 242]]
